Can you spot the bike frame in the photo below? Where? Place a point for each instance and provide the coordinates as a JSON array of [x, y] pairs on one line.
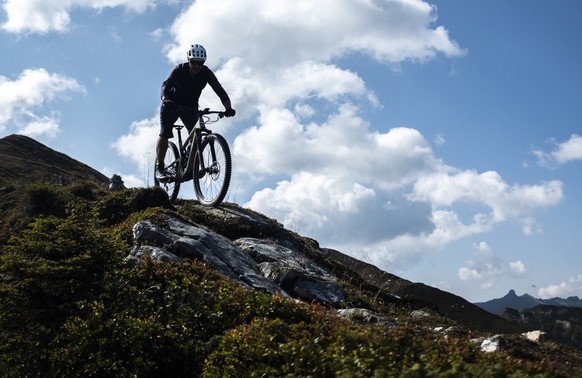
[[196, 136]]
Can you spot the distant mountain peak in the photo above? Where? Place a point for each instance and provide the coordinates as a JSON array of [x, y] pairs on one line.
[[512, 300]]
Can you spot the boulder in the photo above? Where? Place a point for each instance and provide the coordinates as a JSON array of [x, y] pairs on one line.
[[295, 273], [254, 263], [362, 316], [186, 240]]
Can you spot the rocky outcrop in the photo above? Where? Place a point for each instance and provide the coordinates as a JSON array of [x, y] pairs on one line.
[[294, 273], [363, 316], [260, 253], [116, 184], [251, 262]]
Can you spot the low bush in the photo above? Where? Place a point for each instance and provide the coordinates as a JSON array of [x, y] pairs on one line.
[[45, 271], [69, 306], [161, 320], [118, 206]]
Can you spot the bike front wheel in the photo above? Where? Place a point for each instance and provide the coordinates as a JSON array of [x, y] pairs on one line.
[[172, 164], [212, 170]]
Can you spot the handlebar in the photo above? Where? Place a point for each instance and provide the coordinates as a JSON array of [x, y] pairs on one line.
[[208, 111], [205, 111]]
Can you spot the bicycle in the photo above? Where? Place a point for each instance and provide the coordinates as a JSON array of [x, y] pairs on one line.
[[204, 157]]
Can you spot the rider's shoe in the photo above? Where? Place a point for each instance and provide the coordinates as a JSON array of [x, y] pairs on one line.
[[161, 174]]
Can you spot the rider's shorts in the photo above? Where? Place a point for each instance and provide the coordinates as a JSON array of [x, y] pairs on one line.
[[168, 117]]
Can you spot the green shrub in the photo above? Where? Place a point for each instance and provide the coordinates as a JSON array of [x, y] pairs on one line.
[[70, 307], [44, 199], [327, 347], [162, 320], [44, 271], [118, 206]]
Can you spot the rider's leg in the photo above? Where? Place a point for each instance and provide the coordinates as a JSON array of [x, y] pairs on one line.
[[161, 148], [167, 118]]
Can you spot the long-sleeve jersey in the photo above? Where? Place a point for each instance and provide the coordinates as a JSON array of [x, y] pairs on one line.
[[185, 89]]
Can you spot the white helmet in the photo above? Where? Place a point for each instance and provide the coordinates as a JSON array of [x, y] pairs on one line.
[[197, 52]]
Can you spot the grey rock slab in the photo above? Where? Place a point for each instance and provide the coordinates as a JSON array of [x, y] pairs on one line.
[[296, 274], [185, 240]]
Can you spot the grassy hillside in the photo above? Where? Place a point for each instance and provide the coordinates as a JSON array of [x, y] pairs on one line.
[[70, 306]]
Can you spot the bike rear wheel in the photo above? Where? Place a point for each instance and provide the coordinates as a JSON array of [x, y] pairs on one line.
[[172, 164], [212, 170]]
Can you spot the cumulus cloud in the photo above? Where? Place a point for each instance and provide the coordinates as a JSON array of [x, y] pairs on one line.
[[306, 153], [517, 268], [485, 266], [569, 287], [139, 144], [42, 16], [487, 188], [411, 186], [565, 152], [22, 101], [388, 31]]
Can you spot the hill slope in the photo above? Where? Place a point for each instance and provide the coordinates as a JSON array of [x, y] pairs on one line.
[[104, 283], [42, 163], [25, 160]]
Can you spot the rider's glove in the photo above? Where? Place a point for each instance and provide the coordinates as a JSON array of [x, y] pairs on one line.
[[229, 112]]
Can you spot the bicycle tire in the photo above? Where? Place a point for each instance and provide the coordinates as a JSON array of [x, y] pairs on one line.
[[211, 184], [172, 164]]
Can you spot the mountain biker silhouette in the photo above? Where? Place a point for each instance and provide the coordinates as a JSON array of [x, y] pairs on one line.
[[183, 87]]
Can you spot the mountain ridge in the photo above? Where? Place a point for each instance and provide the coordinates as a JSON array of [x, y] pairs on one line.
[[26, 160], [513, 301]]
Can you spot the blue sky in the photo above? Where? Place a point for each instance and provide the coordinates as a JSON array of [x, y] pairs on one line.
[[438, 140]]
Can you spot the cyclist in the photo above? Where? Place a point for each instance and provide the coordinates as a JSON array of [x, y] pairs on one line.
[[184, 87]]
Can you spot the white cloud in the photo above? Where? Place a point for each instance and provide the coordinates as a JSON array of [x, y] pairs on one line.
[[565, 152], [288, 31], [488, 189], [531, 227], [139, 145], [343, 145], [482, 246], [22, 99], [307, 153], [518, 268], [570, 150], [317, 201], [42, 16], [571, 286], [485, 266], [439, 140], [46, 126]]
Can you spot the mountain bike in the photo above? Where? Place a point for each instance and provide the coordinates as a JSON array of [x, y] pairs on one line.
[[203, 157]]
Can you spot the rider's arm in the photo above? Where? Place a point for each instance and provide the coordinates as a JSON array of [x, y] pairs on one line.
[[219, 90], [165, 89], [170, 84], [227, 104]]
